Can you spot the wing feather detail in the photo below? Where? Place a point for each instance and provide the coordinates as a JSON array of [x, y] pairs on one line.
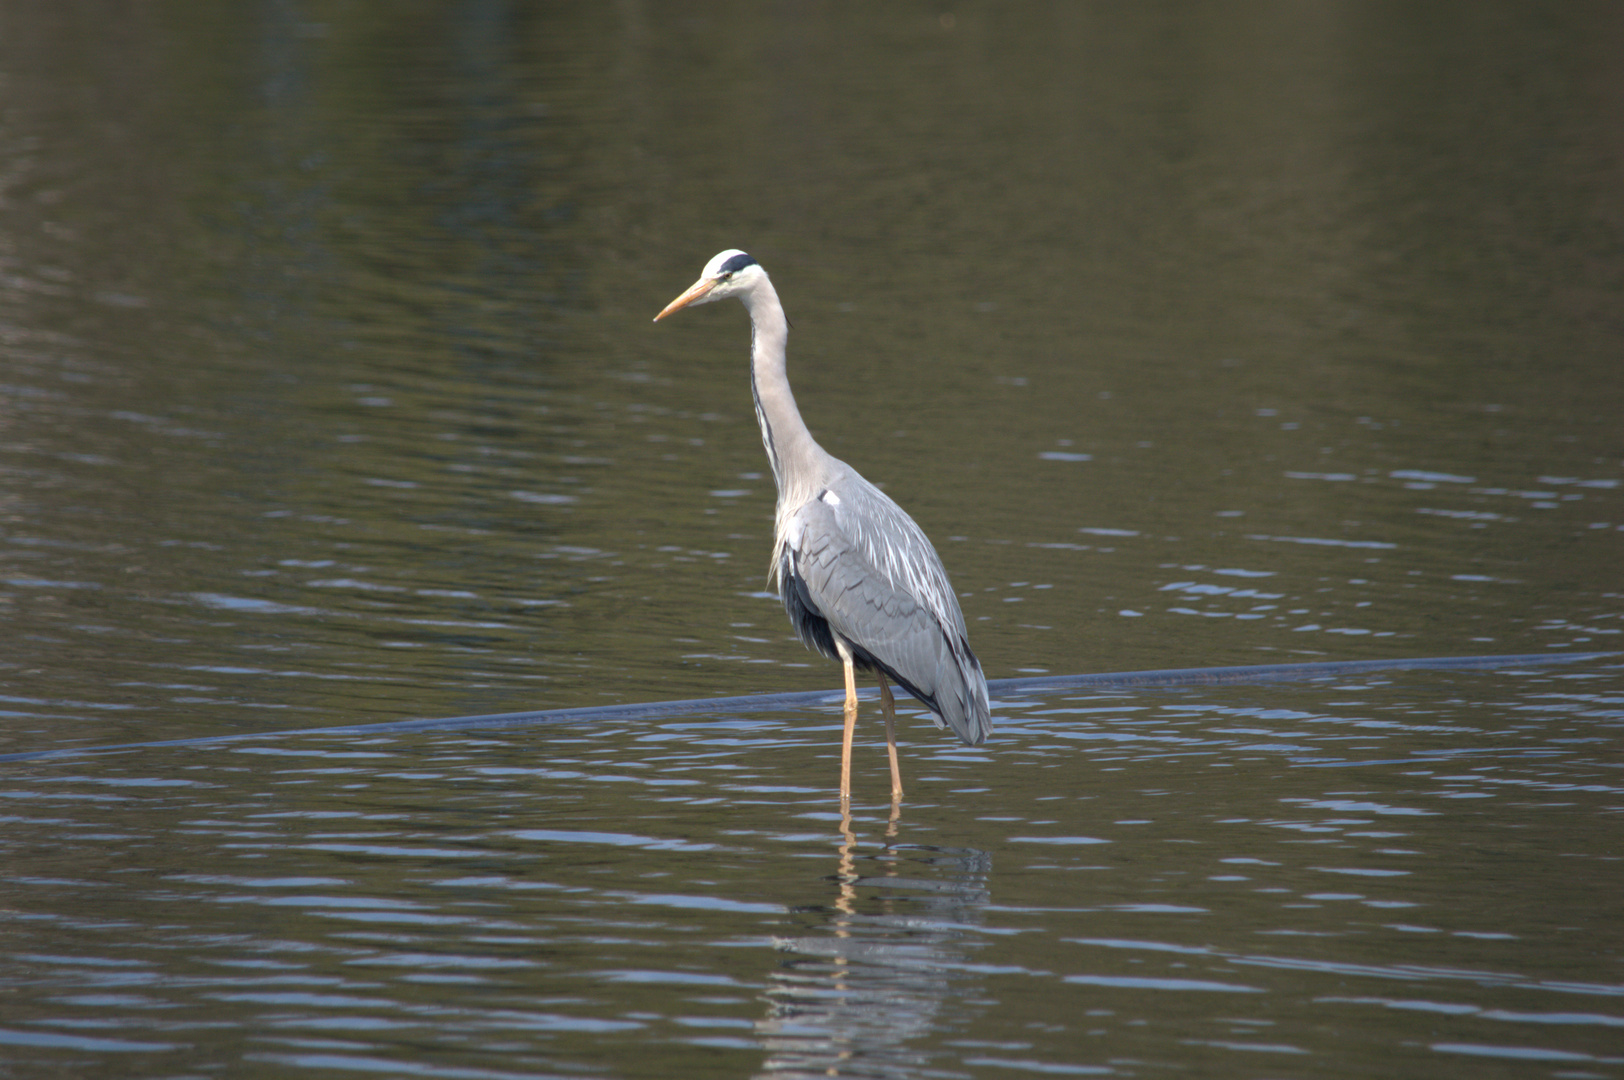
[[856, 565]]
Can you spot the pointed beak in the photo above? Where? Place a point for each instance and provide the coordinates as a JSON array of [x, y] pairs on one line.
[[697, 291]]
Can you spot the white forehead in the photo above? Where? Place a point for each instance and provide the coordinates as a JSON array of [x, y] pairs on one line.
[[713, 267]]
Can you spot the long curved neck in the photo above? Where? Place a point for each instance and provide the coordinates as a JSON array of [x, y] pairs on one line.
[[795, 456]]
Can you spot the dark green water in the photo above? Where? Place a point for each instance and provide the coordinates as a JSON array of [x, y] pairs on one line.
[[1193, 335]]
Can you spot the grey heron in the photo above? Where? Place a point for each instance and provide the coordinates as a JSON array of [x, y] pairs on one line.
[[858, 578]]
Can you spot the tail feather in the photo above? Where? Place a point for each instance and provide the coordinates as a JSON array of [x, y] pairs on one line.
[[962, 696], [958, 694]]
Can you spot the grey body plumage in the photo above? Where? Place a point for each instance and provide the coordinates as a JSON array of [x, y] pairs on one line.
[[859, 579], [862, 569]]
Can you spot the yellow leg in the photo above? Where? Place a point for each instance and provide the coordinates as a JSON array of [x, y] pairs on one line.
[[851, 722], [889, 706]]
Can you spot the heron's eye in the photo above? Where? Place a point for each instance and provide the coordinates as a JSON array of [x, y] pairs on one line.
[[726, 275]]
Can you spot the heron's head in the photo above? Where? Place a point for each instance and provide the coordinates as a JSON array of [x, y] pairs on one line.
[[729, 273]]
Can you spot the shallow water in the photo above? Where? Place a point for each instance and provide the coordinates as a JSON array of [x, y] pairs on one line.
[[1414, 876], [328, 395]]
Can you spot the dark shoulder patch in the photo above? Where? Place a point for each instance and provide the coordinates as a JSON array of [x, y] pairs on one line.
[[736, 263]]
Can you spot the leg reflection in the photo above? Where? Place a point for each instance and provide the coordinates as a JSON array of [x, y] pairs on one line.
[[846, 875], [877, 960]]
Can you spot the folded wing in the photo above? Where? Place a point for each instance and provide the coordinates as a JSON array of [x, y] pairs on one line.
[[854, 564]]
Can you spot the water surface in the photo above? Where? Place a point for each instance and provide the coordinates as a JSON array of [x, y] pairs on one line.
[[1406, 877], [328, 395]]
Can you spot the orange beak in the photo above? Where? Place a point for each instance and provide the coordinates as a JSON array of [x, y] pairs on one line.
[[696, 291]]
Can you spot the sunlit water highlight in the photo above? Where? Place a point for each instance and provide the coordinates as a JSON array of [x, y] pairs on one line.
[[1135, 882], [1193, 336]]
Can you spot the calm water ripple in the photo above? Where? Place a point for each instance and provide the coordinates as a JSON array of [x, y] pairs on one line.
[[676, 885], [1193, 337]]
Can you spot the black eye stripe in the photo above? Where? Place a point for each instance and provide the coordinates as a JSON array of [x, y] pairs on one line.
[[735, 264]]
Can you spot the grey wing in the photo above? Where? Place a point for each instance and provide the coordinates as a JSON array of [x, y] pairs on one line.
[[855, 561]]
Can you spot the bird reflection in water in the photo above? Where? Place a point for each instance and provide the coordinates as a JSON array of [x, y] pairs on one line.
[[870, 981]]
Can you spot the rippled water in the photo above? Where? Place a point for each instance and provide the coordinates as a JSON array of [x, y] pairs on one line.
[[1415, 876], [328, 395]]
